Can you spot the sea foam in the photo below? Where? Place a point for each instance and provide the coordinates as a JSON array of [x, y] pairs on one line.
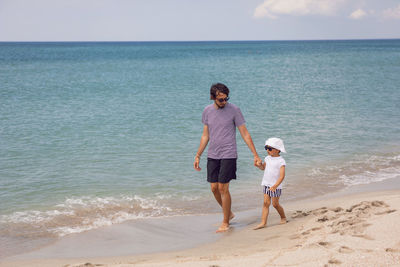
[[80, 214]]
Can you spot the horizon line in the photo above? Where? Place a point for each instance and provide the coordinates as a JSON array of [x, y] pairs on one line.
[[199, 41]]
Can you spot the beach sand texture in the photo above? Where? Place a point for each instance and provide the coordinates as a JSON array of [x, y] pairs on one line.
[[355, 230]]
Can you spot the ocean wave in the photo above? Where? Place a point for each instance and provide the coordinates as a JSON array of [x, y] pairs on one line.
[[81, 214], [369, 177], [363, 169]]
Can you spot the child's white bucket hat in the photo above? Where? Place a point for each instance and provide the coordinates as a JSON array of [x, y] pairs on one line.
[[276, 143]]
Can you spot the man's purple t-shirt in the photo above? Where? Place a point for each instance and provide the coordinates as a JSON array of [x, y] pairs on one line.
[[222, 125]]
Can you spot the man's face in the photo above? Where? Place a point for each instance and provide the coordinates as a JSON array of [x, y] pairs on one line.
[[220, 100]]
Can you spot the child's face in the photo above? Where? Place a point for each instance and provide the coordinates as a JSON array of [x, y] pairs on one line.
[[273, 152]]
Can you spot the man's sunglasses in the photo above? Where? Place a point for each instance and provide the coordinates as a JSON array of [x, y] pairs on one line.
[[220, 100], [268, 148]]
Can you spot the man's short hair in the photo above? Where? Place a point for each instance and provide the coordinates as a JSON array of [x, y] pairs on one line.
[[218, 88]]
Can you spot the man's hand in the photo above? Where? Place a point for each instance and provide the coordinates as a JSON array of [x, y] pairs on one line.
[[196, 163], [272, 188], [257, 161]]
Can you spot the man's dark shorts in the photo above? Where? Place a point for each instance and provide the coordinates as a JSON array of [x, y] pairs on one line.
[[221, 170]]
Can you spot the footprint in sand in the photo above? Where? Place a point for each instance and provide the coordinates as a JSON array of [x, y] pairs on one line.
[[316, 228], [379, 204], [324, 244], [393, 250], [334, 261], [295, 237], [385, 212], [338, 209], [344, 249], [327, 217], [366, 205], [306, 232], [300, 214], [320, 211], [352, 221], [362, 207], [323, 219]]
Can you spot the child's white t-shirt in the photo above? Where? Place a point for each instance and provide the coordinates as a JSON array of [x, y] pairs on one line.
[[272, 170]]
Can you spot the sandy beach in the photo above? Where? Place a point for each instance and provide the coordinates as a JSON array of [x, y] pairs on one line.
[[343, 229]]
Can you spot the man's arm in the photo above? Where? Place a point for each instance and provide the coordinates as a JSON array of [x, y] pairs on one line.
[[203, 143], [247, 139]]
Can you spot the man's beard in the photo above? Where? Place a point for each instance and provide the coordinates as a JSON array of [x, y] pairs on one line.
[[219, 105]]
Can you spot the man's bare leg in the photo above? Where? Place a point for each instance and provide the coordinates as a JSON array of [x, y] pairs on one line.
[[217, 195], [226, 206]]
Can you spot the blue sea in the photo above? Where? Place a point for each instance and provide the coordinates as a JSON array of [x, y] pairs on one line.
[[95, 134]]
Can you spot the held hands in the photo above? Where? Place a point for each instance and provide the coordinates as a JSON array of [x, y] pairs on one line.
[[259, 164], [257, 161]]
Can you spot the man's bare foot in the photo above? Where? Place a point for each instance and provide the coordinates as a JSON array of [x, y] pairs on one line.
[[283, 221], [260, 226], [223, 228]]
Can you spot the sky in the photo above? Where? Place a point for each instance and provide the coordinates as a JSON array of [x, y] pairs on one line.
[[197, 20]]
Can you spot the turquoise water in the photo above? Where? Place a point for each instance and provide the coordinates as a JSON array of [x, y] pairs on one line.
[[93, 134]]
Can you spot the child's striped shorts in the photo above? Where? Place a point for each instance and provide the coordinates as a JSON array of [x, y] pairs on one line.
[[276, 193]]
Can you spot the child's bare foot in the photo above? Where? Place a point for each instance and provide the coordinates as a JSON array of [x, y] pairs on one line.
[[231, 216], [260, 226], [283, 221], [223, 228]]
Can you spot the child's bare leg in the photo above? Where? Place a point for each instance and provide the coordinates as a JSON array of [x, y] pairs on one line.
[[279, 208], [265, 212]]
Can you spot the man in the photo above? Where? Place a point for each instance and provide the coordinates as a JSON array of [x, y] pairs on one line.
[[220, 120]]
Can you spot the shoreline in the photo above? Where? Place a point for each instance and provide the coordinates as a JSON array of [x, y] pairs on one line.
[[173, 241]]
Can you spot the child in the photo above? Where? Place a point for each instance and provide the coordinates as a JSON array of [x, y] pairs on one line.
[[274, 173]]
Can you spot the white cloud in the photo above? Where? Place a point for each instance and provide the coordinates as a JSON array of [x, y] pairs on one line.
[[273, 8], [392, 13], [358, 14]]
